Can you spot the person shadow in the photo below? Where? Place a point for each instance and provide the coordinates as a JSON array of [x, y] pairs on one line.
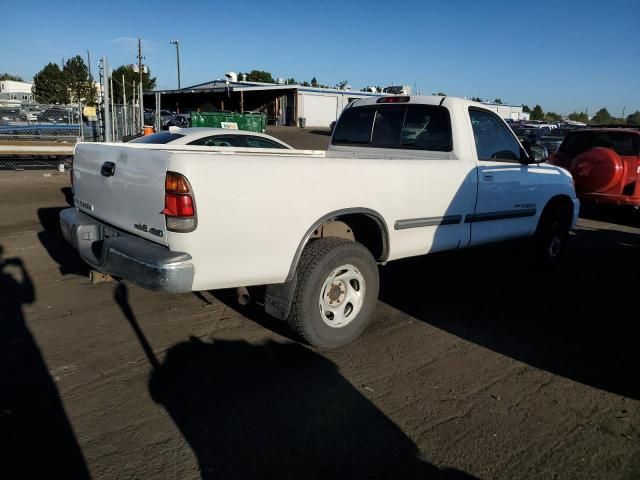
[[275, 410], [36, 439]]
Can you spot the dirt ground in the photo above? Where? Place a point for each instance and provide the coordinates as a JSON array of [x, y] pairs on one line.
[[477, 364]]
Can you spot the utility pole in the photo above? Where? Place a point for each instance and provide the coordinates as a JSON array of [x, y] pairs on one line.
[[125, 127], [89, 66], [177, 44], [141, 89], [104, 77]]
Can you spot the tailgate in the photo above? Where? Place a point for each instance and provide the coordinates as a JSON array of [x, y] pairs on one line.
[[122, 186]]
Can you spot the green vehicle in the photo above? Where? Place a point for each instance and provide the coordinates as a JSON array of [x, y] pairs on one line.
[[250, 121]]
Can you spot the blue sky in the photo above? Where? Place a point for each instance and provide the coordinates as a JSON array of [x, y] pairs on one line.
[[564, 55]]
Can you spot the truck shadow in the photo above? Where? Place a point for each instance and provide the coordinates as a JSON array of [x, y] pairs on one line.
[[37, 439], [275, 410], [57, 247], [578, 321]]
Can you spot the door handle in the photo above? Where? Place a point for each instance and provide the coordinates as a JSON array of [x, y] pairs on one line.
[[108, 169], [488, 177]]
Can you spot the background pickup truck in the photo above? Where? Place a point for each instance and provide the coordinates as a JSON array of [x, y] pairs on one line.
[[403, 176]]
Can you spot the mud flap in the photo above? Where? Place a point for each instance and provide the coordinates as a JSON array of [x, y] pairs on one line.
[[278, 298]]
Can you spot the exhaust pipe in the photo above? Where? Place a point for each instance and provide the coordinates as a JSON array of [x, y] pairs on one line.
[[243, 296]]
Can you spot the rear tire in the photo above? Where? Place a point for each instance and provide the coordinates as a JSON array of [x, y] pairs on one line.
[[552, 234], [336, 292]]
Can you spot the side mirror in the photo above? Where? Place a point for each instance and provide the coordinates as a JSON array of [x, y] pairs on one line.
[[538, 153], [533, 153]]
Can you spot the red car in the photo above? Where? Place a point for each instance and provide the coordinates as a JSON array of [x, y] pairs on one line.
[[605, 164]]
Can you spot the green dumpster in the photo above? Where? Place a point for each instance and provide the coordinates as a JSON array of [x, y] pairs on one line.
[[253, 122]]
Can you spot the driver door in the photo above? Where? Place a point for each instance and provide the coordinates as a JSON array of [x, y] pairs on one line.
[[506, 191]]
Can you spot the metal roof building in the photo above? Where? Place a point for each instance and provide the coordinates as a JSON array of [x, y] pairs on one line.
[[284, 104]]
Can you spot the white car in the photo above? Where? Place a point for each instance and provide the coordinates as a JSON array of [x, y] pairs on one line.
[[212, 137], [403, 176]]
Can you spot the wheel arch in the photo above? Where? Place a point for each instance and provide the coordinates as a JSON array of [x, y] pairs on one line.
[[561, 201], [367, 225]]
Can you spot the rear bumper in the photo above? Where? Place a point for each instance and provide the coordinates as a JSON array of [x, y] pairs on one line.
[[140, 261], [608, 199]]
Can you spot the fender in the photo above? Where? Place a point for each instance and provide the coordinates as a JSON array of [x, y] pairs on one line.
[[278, 297]]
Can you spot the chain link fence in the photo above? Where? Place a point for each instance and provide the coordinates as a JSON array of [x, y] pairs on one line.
[[36, 137]]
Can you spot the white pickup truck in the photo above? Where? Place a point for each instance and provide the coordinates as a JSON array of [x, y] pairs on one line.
[[403, 176]]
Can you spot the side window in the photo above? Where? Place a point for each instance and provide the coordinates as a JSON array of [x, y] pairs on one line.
[[494, 140], [219, 141], [257, 142]]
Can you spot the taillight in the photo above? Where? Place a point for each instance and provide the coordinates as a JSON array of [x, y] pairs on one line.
[[394, 99], [179, 207]]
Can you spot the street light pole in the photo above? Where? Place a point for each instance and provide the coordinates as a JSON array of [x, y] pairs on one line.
[[177, 44]]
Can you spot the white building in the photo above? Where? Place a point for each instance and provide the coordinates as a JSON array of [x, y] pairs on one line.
[[513, 112], [13, 92]]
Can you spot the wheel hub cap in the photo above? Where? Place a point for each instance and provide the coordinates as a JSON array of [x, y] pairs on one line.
[[342, 296]]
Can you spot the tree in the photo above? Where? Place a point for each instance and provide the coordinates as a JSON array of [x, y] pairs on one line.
[[260, 76], [130, 76], [526, 109], [553, 117], [49, 85], [78, 82], [537, 113], [579, 117], [498, 101], [634, 118], [314, 82], [602, 116], [305, 84], [342, 84], [476, 99], [291, 81], [9, 76]]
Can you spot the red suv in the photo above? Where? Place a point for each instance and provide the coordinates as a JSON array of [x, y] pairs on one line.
[[605, 164]]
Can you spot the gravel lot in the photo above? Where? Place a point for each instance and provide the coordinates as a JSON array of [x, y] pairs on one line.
[[478, 364]]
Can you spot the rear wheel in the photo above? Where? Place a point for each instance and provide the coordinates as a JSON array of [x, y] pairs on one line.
[[336, 292]]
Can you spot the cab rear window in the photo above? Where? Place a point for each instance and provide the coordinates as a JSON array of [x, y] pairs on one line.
[[421, 127]]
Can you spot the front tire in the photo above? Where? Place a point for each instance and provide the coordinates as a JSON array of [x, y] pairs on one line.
[[552, 234], [336, 292]]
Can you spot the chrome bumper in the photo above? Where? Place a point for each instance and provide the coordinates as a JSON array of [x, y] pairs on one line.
[[120, 254]]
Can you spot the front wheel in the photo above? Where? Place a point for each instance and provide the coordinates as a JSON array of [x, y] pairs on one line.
[[550, 239], [336, 292]]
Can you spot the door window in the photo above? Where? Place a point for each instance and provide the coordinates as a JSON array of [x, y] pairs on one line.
[[494, 140], [219, 141]]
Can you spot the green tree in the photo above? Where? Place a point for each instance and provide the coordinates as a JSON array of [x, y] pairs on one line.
[[305, 84], [498, 101], [49, 85], [130, 76], [526, 109], [537, 113], [602, 116], [291, 81], [260, 76], [314, 82], [476, 99], [342, 84], [553, 117], [579, 117], [78, 80], [634, 118], [9, 76]]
